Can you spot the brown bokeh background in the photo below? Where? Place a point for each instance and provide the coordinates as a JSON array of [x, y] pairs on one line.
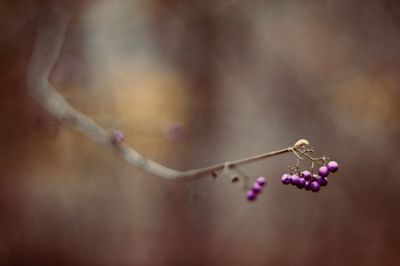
[[193, 83]]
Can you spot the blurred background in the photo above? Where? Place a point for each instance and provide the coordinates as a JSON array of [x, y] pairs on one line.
[[193, 83]]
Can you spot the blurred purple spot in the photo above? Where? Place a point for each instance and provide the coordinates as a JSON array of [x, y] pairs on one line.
[[48, 125], [174, 132], [117, 136]]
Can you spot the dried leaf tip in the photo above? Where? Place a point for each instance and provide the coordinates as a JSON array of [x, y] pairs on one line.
[[300, 143]]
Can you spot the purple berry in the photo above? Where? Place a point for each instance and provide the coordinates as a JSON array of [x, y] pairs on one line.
[[261, 181], [286, 179], [117, 136], [333, 166], [302, 182], [251, 195], [257, 188], [323, 171], [307, 185], [294, 180], [323, 181], [315, 186], [306, 175]]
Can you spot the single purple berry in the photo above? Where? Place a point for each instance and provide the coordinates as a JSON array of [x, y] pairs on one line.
[[261, 181], [333, 166], [251, 195], [257, 188], [307, 185], [286, 179], [315, 186], [117, 136], [323, 181], [306, 175], [323, 171], [302, 182], [294, 180]]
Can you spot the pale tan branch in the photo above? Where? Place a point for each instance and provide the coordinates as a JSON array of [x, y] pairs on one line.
[[49, 41]]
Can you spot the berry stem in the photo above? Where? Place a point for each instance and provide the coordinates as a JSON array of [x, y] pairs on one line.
[[304, 153]]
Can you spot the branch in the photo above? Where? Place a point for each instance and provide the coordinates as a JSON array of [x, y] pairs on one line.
[[48, 43]]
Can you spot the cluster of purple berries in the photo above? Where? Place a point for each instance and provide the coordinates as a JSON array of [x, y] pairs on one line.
[[310, 181], [256, 189]]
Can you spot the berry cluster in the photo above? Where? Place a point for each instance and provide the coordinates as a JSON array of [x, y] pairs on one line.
[[256, 189], [309, 181]]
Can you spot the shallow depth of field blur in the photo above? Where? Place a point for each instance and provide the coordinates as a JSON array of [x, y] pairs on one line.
[[194, 83]]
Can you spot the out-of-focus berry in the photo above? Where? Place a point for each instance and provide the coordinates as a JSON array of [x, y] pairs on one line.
[[261, 181], [251, 195], [257, 188]]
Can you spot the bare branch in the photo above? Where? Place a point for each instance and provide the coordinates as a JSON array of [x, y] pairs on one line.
[[49, 41]]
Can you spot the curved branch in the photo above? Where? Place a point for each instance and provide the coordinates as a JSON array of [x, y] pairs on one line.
[[48, 43]]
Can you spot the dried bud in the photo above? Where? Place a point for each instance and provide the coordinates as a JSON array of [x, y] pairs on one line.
[[300, 143]]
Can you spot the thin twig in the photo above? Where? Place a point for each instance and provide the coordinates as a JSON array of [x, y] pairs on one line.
[[49, 40]]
